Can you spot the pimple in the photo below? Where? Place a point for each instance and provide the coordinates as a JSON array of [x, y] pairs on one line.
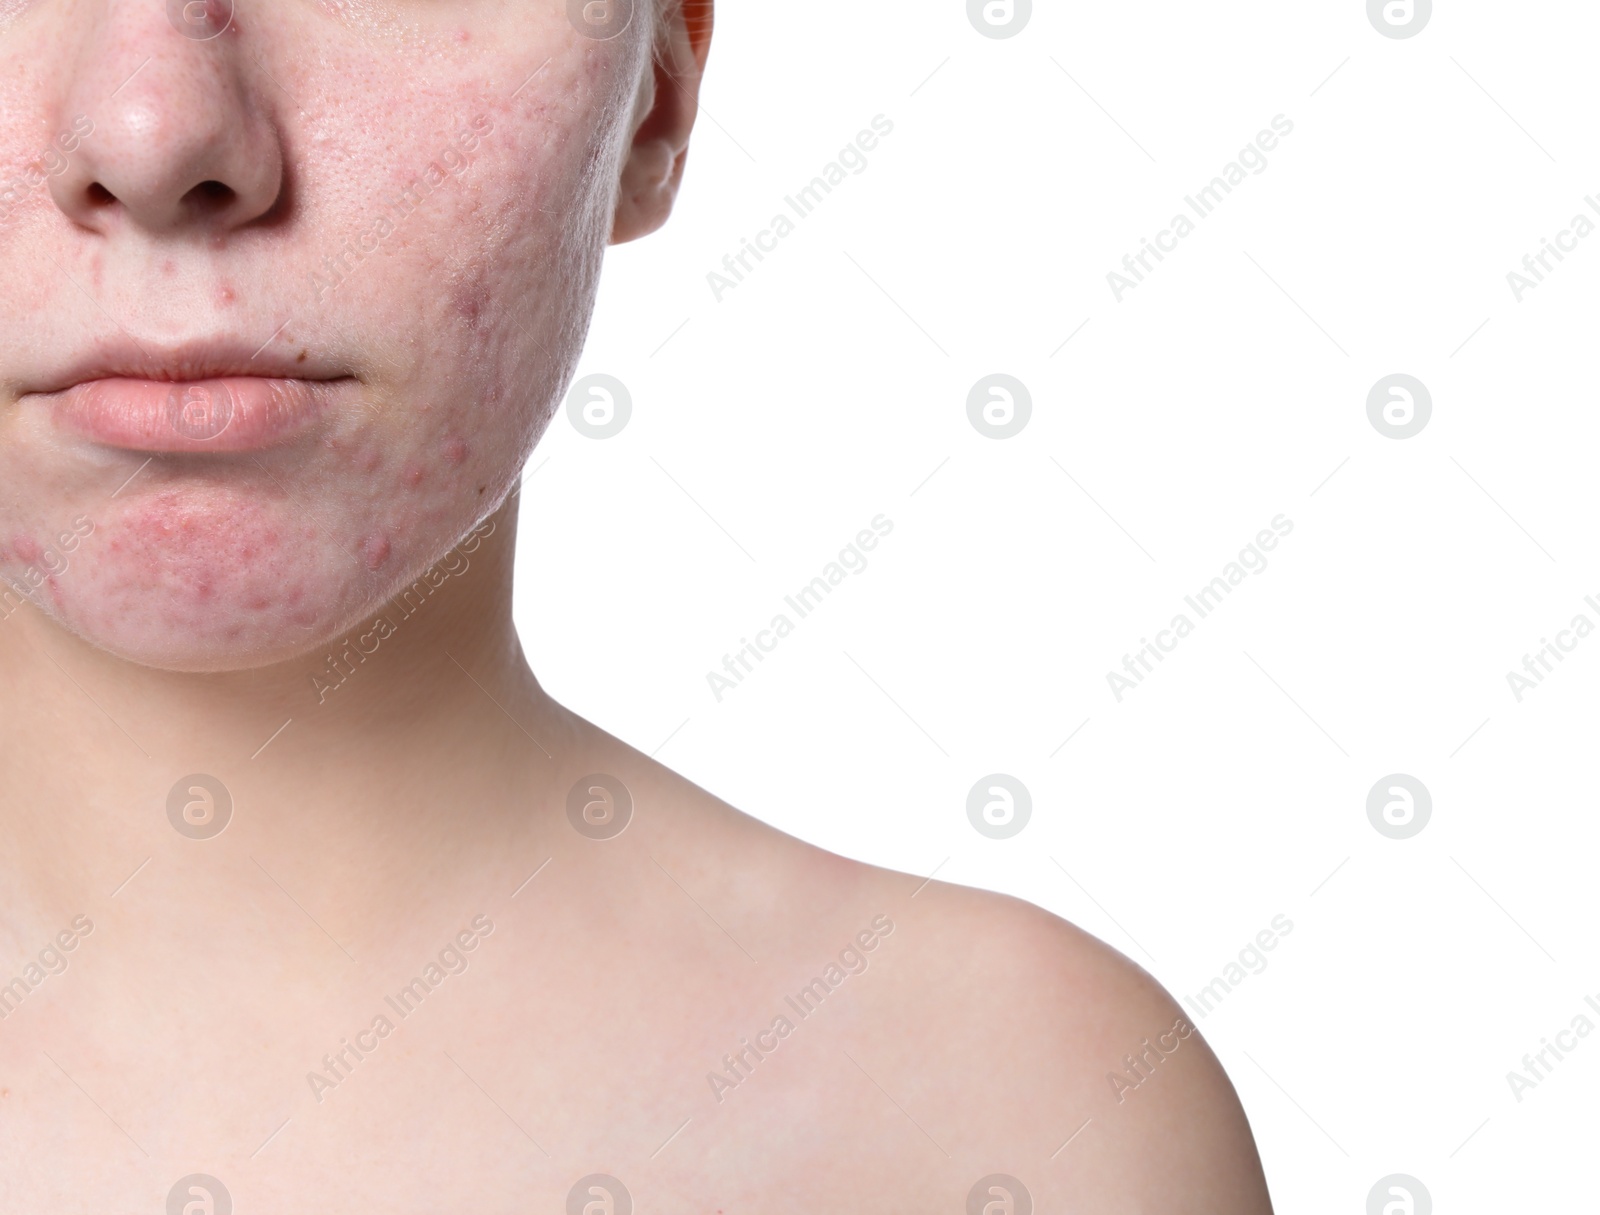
[[226, 295], [455, 451], [413, 475], [470, 300], [26, 548], [375, 550]]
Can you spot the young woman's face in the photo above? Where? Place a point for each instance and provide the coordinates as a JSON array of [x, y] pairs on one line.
[[290, 288]]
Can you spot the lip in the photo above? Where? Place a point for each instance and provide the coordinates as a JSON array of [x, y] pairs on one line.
[[227, 414], [201, 397]]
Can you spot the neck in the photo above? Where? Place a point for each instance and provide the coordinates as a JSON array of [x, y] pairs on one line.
[[420, 736]]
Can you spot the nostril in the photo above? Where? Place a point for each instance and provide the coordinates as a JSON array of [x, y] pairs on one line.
[[99, 196], [211, 196]]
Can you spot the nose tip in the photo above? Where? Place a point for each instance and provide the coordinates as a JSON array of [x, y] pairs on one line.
[[185, 143], [165, 171]]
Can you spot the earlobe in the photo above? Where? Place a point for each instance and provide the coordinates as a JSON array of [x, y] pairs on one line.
[[649, 187]]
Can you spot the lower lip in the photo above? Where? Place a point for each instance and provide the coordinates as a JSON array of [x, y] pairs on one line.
[[236, 413]]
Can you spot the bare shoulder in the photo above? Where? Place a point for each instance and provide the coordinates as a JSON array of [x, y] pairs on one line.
[[1085, 1071], [987, 1037]]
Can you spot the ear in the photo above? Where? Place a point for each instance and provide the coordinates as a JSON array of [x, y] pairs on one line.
[[654, 167]]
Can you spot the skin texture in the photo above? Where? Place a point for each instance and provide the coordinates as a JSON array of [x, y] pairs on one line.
[[398, 793]]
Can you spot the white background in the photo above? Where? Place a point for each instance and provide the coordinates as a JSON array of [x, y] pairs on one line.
[[1228, 388]]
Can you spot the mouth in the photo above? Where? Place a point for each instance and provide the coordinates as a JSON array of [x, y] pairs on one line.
[[192, 399]]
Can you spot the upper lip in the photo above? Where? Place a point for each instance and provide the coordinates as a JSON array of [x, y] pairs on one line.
[[186, 362]]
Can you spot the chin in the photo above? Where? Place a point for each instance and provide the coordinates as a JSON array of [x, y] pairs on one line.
[[203, 582]]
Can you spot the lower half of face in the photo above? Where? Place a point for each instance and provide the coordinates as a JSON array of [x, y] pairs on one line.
[[419, 305]]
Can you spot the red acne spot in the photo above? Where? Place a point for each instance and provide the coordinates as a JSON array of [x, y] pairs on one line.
[[27, 548], [226, 295], [413, 475], [470, 301], [375, 550], [455, 451], [463, 35], [169, 267]]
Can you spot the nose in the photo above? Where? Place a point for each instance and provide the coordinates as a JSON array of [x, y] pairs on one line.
[[184, 136]]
